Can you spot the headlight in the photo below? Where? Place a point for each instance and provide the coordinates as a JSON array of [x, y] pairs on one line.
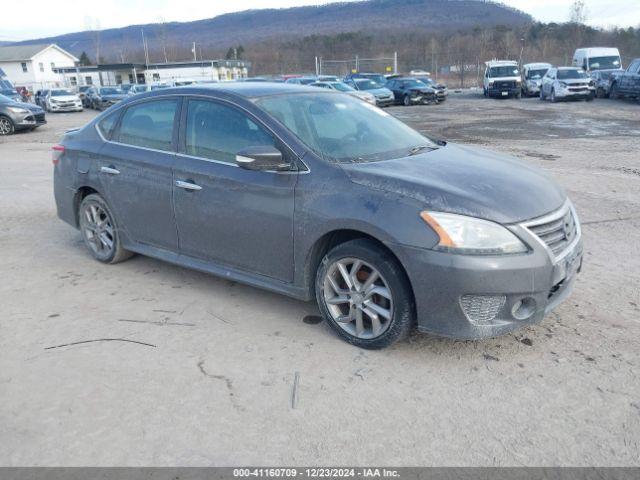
[[473, 236], [18, 110], [563, 85]]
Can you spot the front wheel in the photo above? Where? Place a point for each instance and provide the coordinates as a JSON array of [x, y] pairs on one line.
[[406, 101], [364, 294], [613, 93], [553, 96], [99, 230], [6, 126]]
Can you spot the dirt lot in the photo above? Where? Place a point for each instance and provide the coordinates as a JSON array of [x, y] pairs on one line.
[[215, 386]]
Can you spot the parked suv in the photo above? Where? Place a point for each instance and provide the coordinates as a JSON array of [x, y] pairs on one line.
[[502, 79], [314, 194], [100, 98], [627, 83], [16, 116], [567, 83]]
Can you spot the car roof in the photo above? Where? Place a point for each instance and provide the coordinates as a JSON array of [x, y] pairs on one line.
[[537, 65], [246, 90], [569, 68]]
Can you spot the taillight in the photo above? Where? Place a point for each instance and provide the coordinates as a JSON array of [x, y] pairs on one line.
[[56, 153]]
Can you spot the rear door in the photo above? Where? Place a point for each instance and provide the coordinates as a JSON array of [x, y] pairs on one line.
[[235, 217], [136, 169]]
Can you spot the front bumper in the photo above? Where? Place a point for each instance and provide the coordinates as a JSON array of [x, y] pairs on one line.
[[568, 93], [65, 108], [384, 101], [451, 290], [29, 120], [504, 92], [423, 99]]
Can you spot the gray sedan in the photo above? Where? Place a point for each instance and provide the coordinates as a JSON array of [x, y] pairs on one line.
[[16, 116], [317, 195]]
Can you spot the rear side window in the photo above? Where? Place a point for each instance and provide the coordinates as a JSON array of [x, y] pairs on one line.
[[149, 124], [108, 124], [219, 132]]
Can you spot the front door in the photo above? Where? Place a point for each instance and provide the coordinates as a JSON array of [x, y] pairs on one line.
[[136, 171], [226, 214]]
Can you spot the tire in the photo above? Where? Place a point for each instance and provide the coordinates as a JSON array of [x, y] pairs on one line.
[[406, 101], [105, 246], [369, 332], [485, 93], [6, 126], [518, 96], [553, 96], [541, 94], [600, 93], [613, 92], [590, 97]]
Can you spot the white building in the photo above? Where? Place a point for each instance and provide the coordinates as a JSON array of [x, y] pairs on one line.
[[33, 66], [130, 73]]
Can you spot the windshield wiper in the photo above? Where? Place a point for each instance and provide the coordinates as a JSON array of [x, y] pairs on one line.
[[419, 148]]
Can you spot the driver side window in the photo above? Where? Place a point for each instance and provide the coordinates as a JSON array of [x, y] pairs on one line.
[[218, 132]]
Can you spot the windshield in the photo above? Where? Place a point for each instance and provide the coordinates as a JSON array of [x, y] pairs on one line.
[[569, 74], [536, 74], [367, 84], [504, 71], [111, 91], [377, 78], [604, 63], [342, 87], [413, 83], [427, 80], [60, 93], [344, 129]]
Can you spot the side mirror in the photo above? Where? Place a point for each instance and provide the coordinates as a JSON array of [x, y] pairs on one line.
[[262, 158]]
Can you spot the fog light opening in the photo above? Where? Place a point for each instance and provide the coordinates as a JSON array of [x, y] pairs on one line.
[[523, 308]]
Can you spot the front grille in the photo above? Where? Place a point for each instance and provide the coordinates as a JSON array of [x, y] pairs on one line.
[[556, 231], [505, 84], [482, 309], [39, 117]]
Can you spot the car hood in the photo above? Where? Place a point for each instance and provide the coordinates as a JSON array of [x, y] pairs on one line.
[[467, 181], [28, 106], [65, 98], [385, 92], [423, 90], [573, 81]]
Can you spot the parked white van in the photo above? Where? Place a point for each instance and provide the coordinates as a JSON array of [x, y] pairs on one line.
[[502, 79], [597, 58]]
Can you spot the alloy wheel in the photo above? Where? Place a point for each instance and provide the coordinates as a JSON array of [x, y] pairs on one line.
[[97, 228], [358, 298], [5, 126]]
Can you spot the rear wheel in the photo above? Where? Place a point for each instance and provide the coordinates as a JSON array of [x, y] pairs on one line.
[[99, 230], [614, 93], [6, 126], [364, 294]]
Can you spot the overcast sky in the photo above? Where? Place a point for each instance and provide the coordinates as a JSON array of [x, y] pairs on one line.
[[39, 18]]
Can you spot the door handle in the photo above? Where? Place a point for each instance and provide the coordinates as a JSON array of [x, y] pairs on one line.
[[188, 185], [109, 170]]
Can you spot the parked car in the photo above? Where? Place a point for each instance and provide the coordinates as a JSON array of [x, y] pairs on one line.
[[378, 78], [146, 87], [301, 80], [532, 74], [305, 192], [40, 97], [16, 116], [602, 81], [410, 91], [82, 93], [627, 83], [100, 98], [62, 100], [384, 96], [344, 88], [597, 58], [502, 79], [567, 83], [441, 89]]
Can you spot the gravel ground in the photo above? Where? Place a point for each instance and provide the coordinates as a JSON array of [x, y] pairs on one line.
[[215, 385]]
